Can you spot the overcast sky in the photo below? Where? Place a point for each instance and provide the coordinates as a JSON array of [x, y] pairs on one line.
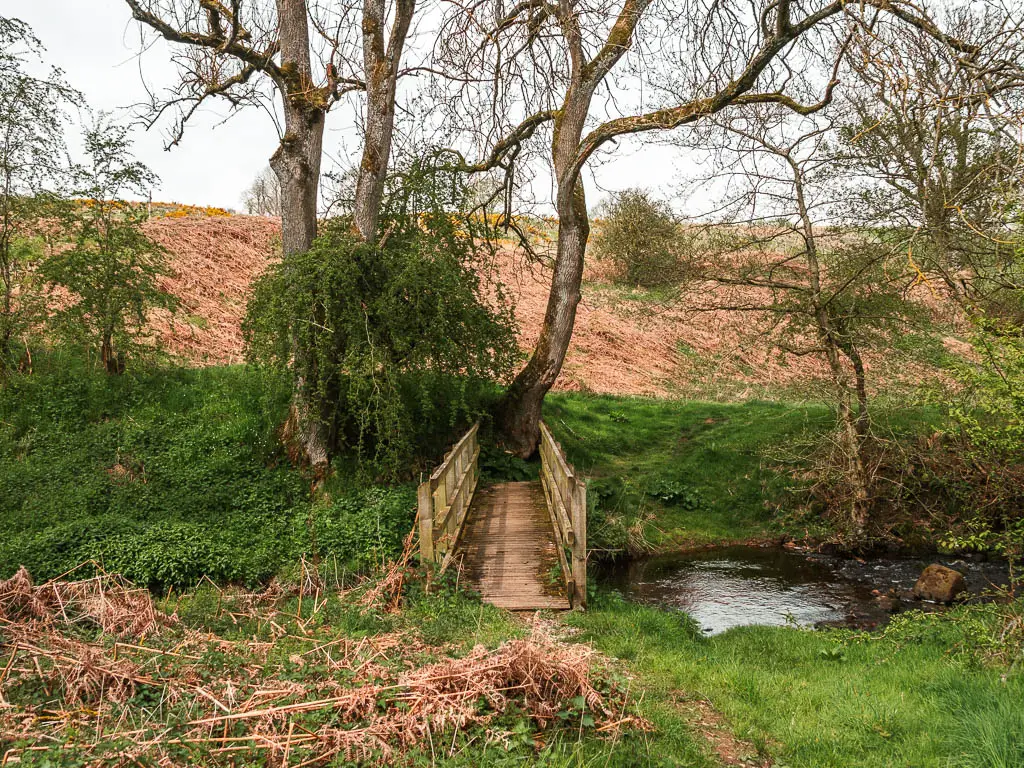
[[97, 44]]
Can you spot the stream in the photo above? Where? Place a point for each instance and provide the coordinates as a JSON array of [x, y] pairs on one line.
[[735, 586]]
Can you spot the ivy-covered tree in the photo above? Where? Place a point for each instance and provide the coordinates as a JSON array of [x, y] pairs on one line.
[[110, 274], [33, 162]]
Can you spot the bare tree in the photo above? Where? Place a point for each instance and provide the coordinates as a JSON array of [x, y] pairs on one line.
[[786, 251], [263, 196], [548, 62], [938, 149]]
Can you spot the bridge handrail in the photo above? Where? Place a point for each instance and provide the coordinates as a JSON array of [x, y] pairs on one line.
[[567, 502], [443, 499]]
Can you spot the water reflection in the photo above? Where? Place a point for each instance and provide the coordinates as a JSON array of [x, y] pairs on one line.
[[737, 586]]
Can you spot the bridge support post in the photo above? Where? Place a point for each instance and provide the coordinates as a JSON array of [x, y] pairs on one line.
[[579, 546], [425, 507]]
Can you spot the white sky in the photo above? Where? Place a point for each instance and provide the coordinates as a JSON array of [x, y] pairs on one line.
[[96, 43]]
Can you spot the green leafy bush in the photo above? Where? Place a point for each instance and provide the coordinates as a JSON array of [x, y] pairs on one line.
[[639, 236], [989, 439], [365, 528], [394, 343], [111, 272]]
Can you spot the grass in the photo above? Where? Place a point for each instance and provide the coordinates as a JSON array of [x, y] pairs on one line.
[[915, 695], [694, 471], [675, 474], [169, 474], [920, 694]]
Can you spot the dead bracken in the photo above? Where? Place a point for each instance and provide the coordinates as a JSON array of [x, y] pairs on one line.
[[93, 670]]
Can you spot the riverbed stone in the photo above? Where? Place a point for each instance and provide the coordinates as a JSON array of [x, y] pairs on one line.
[[939, 583]]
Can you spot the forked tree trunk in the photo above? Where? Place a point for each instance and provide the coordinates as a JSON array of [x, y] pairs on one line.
[[853, 427], [297, 166], [520, 409]]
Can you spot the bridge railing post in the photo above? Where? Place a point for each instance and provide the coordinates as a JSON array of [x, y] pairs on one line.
[[443, 500], [566, 495], [579, 545], [425, 510]]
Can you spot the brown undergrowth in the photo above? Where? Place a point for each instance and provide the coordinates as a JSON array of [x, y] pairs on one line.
[[95, 673]]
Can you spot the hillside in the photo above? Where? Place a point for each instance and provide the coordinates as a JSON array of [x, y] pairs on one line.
[[625, 342]]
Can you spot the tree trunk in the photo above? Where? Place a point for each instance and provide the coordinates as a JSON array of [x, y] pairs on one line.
[[113, 363], [520, 409], [381, 72], [297, 166], [828, 334], [521, 406], [860, 385]]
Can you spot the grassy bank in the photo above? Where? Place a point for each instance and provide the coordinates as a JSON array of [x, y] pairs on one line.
[[676, 474], [671, 474], [921, 693], [167, 475]]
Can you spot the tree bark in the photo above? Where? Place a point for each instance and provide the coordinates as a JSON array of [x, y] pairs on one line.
[[381, 71], [520, 409], [297, 166]]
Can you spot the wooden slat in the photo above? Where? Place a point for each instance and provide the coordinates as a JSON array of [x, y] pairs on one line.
[[508, 548]]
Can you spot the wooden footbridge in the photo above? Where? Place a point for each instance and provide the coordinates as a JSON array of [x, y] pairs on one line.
[[522, 545]]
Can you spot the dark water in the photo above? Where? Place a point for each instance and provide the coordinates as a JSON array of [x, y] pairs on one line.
[[736, 586]]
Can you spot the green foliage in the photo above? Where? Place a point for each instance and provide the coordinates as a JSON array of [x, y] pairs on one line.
[[112, 270], [498, 465], [395, 343], [33, 164], [989, 419], [168, 475], [640, 237], [363, 529]]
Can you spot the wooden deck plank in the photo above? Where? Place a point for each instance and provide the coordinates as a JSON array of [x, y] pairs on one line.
[[507, 548]]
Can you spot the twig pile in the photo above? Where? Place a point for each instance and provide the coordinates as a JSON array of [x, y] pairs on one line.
[[95, 673]]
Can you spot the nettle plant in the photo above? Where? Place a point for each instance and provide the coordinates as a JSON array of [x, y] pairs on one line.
[[393, 342], [111, 272]]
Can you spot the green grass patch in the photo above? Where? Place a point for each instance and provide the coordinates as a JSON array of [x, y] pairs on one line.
[[914, 695], [681, 472]]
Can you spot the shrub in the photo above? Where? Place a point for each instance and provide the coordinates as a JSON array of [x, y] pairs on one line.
[[639, 236], [394, 343], [990, 440], [112, 270]]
